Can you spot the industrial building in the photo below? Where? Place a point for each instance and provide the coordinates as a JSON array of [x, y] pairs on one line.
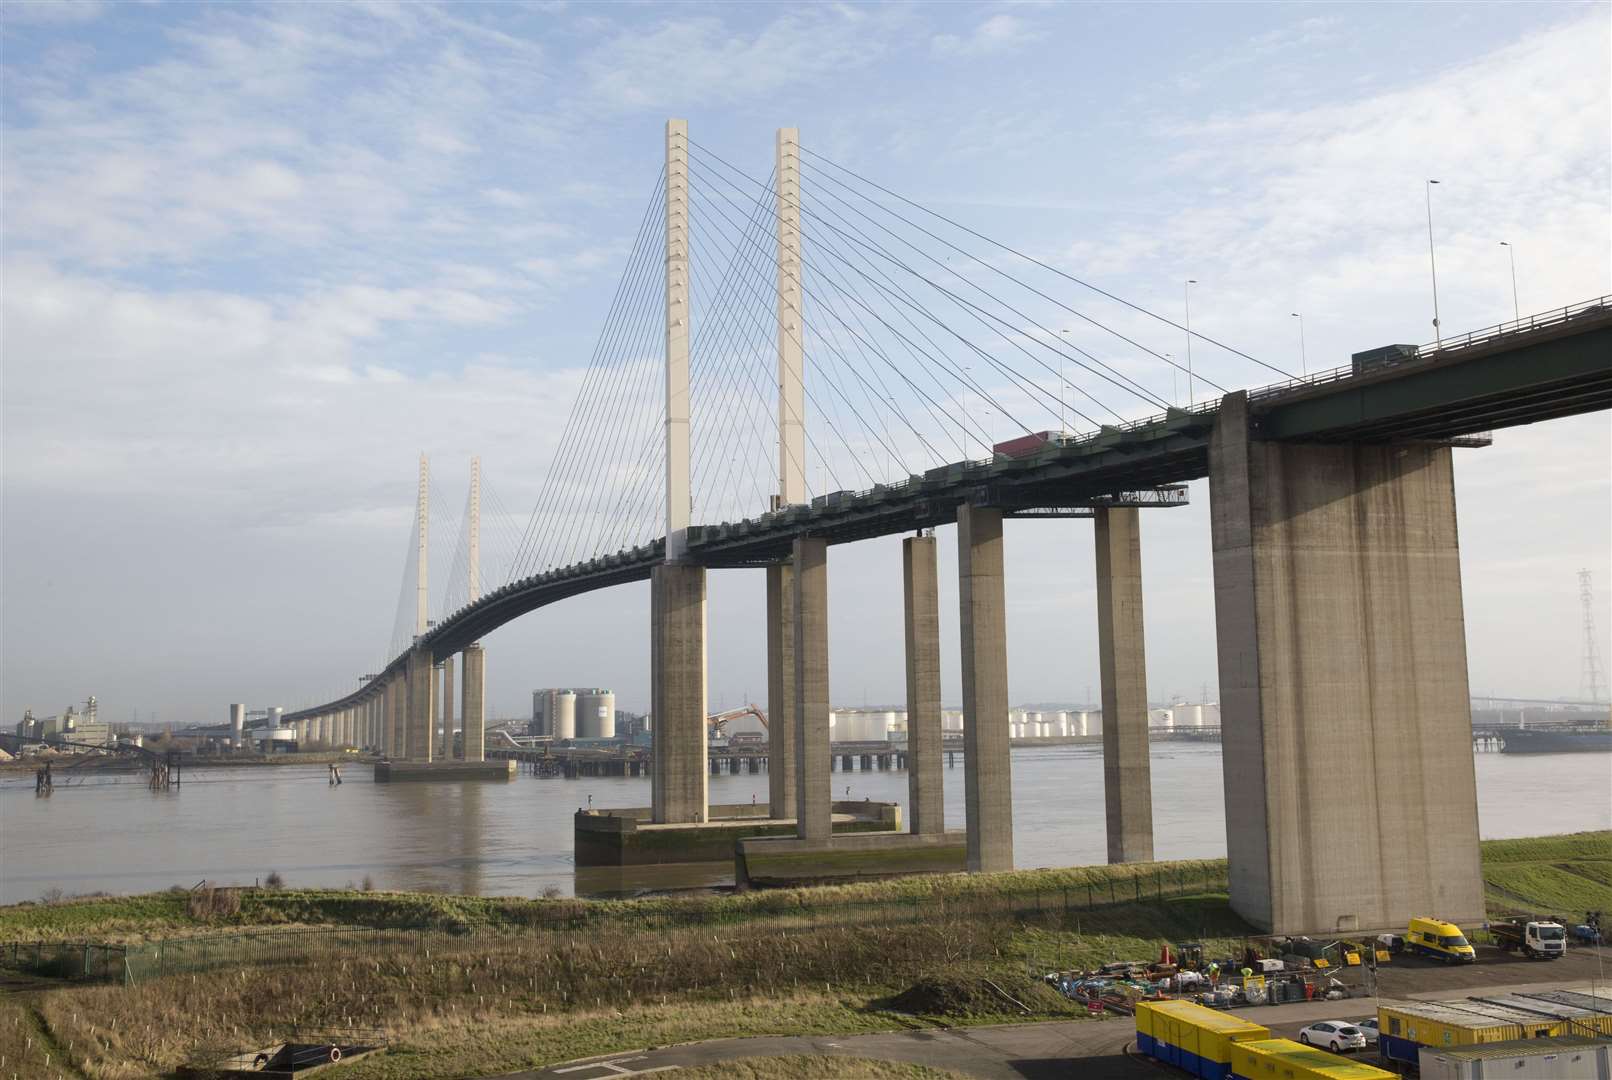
[[80, 728]]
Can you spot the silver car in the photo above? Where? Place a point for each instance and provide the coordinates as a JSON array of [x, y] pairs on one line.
[[1368, 1028], [1339, 1036]]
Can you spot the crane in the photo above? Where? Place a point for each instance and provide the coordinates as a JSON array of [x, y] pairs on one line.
[[718, 722]]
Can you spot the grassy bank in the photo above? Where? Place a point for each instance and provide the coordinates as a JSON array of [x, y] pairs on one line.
[[471, 985]]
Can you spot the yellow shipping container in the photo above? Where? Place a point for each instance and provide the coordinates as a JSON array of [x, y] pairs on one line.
[[1284, 1059], [1406, 1026], [1192, 1037]]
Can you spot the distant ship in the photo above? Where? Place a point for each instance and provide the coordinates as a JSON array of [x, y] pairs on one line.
[[1561, 740]]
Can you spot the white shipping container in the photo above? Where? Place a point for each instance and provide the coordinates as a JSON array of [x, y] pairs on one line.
[[1563, 1058]]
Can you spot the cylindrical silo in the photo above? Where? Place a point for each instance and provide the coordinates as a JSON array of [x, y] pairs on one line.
[[595, 712], [563, 720], [237, 725]]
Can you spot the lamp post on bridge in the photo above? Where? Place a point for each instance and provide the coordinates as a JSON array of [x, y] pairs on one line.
[[1432, 261], [1516, 308], [1304, 360], [1186, 301]]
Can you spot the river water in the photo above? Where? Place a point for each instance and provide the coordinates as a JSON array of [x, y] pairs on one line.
[[235, 825]]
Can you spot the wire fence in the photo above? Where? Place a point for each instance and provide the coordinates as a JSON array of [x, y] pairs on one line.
[[137, 962]]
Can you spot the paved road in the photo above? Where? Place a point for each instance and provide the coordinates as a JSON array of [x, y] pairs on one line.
[[999, 1052]]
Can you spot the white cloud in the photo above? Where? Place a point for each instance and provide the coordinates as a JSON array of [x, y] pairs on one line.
[[995, 34], [691, 61]]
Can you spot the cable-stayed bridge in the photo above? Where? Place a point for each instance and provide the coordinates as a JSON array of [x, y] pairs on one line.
[[809, 358]]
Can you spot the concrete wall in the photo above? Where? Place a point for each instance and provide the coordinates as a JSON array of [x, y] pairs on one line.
[[1351, 797]]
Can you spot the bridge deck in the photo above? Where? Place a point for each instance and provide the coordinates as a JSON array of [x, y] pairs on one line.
[[1546, 366]]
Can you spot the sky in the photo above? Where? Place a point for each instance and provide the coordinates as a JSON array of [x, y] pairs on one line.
[[257, 259]]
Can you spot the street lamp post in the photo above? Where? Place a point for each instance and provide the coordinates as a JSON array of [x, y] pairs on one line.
[[1516, 308], [1186, 300], [1432, 261], [1062, 427], [1304, 360]]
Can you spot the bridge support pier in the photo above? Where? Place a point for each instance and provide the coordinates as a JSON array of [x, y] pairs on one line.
[[447, 709], [921, 593], [421, 715], [813, 786], [1342, 648], [474, 703], [781, 690], [392, 721], [1127, 771], [987, 762], [677, 692]]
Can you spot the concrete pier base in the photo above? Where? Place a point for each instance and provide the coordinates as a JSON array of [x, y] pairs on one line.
[[401, 771], [987, 764], [790, 861], [677, 692], [1351, 796], [628, 837], [1127, 770]]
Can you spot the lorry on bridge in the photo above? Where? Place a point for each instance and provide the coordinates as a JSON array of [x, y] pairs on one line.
[[1535, 937]]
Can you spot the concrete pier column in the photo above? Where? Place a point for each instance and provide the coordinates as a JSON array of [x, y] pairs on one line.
[[813, 786], [398, 745], [677, 691], [1351, 799], [1122, 661], [473, 705], [987, 763], [921, 592], [447, 709], [421, 714], [781, 690], [436, 710]]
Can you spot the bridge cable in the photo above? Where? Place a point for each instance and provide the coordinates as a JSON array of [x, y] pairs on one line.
[[1045, 266]]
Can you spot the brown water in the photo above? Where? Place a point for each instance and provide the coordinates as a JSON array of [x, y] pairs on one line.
[[235, 825]]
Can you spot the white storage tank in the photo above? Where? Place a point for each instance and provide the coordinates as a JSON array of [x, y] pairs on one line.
[[556, 713], [595, 714], [237, 725]]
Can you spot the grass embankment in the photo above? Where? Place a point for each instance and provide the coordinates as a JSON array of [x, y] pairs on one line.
[[1563, 875], [154, 915], [489, 984]]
